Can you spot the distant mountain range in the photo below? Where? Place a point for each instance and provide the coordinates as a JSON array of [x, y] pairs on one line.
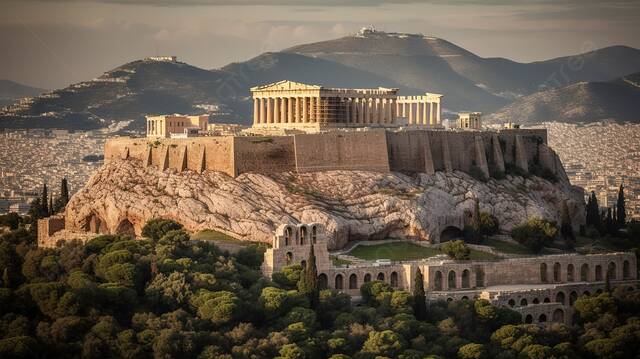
[[11, 91], [413, 63], [580, 102]]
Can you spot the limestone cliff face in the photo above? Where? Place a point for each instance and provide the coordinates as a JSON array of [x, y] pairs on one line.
[[122, 195]]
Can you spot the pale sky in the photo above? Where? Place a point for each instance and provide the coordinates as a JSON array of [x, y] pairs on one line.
[[53, 43]]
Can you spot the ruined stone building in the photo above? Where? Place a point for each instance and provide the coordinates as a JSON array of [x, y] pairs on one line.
[[292, 105], [542, 289]]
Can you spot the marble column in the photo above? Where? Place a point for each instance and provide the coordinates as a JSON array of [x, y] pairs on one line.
[[269, 110], [392, 105], [297, 116], [276, 110], [426, 120], [319, 114], [305, 114], [256, 111], [289, 110], [411, 118], [438, 113], [346, 104]]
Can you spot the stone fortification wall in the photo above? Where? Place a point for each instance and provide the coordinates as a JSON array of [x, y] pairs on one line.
[[425, 151], [264, 154], [365, 151]]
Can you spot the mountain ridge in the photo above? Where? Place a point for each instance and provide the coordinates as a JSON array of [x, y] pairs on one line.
[[413, 63]]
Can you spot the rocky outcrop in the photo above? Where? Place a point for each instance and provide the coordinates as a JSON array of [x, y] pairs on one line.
[[122, 195]]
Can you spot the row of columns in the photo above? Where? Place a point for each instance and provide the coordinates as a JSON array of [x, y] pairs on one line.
[[267, 110], [155, 127], [420, 113]]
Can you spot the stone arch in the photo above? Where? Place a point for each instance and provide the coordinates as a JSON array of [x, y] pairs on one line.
[[584, 273], [314, 234], [94, 224], [556, 272], [464, 297], [542, 318], [573, 296], [450, 233], [536, 300], [380, 277], [479, 277], [560, 297], [437, 281], [451, 279], [323, 281], [303, 264], [558, 316], [543, 273], [394, 279], [304, 234], [528, 319], [570, 273], [523, 302], [626, 272], [598, 291], [449, 299], [125, 227], [586, 292], [339, 282], [611, 270], [288, 236], [367, 277], [512, 303], [546, 300], [598, 273], [353, 281], [465, 279], [289, 258]]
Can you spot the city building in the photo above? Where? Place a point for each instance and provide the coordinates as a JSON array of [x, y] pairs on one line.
[[165, 125], [470, 120], [292, 105]]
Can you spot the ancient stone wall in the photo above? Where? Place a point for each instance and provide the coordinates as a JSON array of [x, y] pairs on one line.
[[47, 227], [366, 151], [264, 154], [373, 150]]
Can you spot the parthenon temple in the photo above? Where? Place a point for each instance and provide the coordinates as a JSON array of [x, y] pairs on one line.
[[293, 105]]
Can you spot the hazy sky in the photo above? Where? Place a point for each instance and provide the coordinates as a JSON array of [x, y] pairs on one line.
[[53, 43]]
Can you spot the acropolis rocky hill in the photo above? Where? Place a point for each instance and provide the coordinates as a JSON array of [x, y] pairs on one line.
[[392, 196]]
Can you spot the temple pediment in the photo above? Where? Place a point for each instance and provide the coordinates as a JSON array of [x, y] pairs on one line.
[[285, 85]]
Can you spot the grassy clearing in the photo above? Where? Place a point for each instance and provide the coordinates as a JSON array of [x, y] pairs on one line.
[[405, 251], [338, 262], [213, 235], [507, 247]]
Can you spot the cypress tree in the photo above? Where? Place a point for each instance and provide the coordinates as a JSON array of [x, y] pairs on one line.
[[51, 209], [609, 222], [566, 228], [64, 192], [622, 211], [44, 207], [419, 297], [309, 281]]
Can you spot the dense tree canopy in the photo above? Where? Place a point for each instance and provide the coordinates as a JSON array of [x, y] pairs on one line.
[[168, 296]]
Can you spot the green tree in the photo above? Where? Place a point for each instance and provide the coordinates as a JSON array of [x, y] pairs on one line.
[[44, 211], [457, 250], [621, 208], [472, 351], [536, 233], [156, 228], [385, 343], [566, 228], [609, 224], [308, 284], [419, 297], [62, 200]]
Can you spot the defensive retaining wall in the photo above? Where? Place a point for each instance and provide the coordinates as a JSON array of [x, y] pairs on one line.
[[373, 150]]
